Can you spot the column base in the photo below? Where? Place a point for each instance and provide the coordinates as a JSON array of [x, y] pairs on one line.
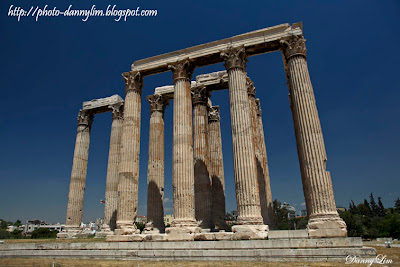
[[126, 228], [104, 232], [250, 220], [72, 232], [182, 230], [152, 229], [326, 225], [250, 232]]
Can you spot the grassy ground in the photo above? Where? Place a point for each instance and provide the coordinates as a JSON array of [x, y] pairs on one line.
[[391, 253]]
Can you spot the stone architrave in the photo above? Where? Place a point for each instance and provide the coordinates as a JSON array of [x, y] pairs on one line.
[[78, 175], [111, 197], [250, 222], [216, 168], [183, 225], [129, 160], [317, 184], [202, 178], [260, 157], [155, 170]]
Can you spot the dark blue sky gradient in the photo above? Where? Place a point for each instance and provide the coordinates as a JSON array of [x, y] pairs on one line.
[[51, 66]]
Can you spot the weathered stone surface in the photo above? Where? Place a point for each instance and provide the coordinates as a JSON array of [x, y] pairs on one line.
[[129, 160], [102, 104], [246, 250], [202, 178], [182, 158], [287, 234], [260, 41], [247, 194], [317, 184], [111, 197], [78, 174], [155, 169], [250, 232], [216, 168]]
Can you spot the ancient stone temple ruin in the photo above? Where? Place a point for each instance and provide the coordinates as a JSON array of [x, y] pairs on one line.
[[198, 176]]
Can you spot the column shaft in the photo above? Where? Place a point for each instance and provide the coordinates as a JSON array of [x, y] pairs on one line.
[[317, 183], [183, 169], [155, 170], [202, 178], [79, 171], [247, 193], [217, 169], [129, 160], [111, 198]]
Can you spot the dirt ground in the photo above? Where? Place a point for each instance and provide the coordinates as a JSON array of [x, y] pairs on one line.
[[391, 253]]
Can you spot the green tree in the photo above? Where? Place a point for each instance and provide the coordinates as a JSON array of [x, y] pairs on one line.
[[43, 233], [16, 234], [280, 216], [5, 234], [17, 223], [382, 211], [373, 205]]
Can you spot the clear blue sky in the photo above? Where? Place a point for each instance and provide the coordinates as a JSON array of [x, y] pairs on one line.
[[51, 66]]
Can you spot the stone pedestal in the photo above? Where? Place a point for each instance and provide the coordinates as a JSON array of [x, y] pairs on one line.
[[317, 184], [155, 170], [129, 160], [78, 176], [247, 193], [111, 199], [202, 178], [217, 169], [183, 169]]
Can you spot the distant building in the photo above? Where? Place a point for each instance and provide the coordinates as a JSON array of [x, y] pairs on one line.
[[12, 228], [291, 210], [33, 225], [303, 213], [168, 219], [141, 219]]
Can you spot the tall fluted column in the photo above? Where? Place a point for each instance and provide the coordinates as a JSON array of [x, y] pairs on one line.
[[129, 160], [182, 151], [267, 210], [79, 171], [216, 168], [317, 184], [155, 170], [202, 178], [260, 158], [247, 193], [111, 199]]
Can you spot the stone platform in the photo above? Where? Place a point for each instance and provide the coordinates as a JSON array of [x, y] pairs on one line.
[[327, 249]]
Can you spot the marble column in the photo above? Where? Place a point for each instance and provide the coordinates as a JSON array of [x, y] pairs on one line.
[[245, 171], [202, 178], [182, 152], [155, 169], [267, 210], [129, 160], [79, 171], [216, 169], [317, 184], [260, 157], [111, 198]]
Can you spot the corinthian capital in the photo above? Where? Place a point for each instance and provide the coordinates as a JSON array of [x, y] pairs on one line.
[[117, 110], [294, 45], [251, 89], [235, 58], [182, 69], [157, 103], [200, 95], [85, 118], [213, 114], [133, 81]]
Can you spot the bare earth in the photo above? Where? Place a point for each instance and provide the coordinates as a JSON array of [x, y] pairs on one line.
[[391, 253]]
